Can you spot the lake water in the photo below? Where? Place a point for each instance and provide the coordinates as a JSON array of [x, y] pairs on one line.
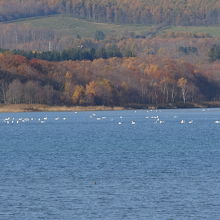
[[100, 165]]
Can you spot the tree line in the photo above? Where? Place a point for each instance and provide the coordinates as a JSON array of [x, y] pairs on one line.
[[181, 12], [73, 54], [114, 81]]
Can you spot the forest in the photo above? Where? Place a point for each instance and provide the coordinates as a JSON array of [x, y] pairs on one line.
[[58, 53], [115, 81], [74, 53], [184, 12]]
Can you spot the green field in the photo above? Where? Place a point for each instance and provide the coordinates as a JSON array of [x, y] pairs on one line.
[[68, 25], [214, 31]]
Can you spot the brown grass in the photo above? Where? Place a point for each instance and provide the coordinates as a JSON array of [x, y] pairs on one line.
[[46, 108]]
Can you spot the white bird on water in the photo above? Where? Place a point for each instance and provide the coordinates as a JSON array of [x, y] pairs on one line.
[[157, 120], [182, 122], [133, 122]]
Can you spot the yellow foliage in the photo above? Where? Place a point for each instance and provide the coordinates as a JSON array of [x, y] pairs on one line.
[[152, 68]]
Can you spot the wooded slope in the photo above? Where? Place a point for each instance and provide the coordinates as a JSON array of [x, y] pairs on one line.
[[181, 12], [115, 81]]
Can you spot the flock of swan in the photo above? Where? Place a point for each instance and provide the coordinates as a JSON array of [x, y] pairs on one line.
[[119, 120], [13, 120]]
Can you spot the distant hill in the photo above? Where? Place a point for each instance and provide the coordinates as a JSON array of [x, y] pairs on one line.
[[130, 81], [153, 52], [67, 25], [58, 32], [174, 12]]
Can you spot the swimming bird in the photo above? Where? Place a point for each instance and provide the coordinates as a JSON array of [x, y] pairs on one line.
[[155, 117], [157, 120], [133, 122]]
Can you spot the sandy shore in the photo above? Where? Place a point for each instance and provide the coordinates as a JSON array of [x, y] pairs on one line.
[[46, 108]]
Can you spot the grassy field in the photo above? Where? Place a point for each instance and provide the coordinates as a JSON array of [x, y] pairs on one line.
[[212, 30], [68, 25]]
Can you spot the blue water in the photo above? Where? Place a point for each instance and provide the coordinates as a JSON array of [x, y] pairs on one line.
[[89, 167]]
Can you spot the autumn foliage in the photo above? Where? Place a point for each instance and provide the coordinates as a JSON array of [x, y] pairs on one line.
[[179, 12], [115, 81]]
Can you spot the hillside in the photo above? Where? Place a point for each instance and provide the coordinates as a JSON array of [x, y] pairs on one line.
[[213, 31], [179, 12], [130, 52], [59, 32], [67, 25], [112, 82]]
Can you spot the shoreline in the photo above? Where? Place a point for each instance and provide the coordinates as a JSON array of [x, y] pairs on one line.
[[16, 108]]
